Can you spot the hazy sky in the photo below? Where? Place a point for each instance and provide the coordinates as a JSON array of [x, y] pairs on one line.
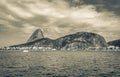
[[56, 18]]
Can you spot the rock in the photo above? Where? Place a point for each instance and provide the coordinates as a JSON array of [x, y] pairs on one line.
[[114, 43], [37, 34], [77, 41], [81, 40]]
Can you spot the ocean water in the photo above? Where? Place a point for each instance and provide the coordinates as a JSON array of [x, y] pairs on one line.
[[59, 64]]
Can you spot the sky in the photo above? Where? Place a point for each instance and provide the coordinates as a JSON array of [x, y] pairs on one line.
[[56, 18]]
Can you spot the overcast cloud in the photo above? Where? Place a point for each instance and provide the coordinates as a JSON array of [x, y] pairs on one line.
[[56, 18]]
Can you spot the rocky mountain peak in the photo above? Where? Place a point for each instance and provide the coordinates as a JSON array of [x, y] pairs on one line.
[[76, 41], [37, 34]]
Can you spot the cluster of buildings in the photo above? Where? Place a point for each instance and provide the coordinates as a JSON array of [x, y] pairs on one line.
[[109, 48], [27, 48]]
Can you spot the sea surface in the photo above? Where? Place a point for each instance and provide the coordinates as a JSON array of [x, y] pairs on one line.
[[59, 64]]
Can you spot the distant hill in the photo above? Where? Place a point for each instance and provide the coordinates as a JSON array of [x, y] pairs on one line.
[[115, 43], [79, 40]]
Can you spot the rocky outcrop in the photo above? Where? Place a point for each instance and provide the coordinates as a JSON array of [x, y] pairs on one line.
[[77, 41], [114, 43], [36, 35], [81, 40]]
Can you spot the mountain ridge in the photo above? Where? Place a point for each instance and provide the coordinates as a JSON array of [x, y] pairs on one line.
[[76, 41]]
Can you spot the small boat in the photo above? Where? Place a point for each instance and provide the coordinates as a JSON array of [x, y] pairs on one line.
[[25, 51]]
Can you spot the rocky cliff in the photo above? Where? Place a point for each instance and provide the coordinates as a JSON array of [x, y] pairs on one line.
[[81, 40], [37, 34]]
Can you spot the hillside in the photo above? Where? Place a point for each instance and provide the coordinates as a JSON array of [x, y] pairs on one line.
[[76, 41], [115, 43]]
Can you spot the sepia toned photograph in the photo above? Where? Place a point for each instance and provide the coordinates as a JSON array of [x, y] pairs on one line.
[[59, 38]]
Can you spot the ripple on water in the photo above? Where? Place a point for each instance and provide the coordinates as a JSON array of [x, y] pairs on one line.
[[60, 64]]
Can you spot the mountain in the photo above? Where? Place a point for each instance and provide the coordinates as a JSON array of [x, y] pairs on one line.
[[36, 35], [77, 41], [81, 40], [114, 43]]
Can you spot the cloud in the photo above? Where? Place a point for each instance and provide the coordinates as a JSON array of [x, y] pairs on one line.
[[101, 5], [56, 18]]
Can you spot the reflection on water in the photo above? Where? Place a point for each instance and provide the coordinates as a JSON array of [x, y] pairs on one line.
[[59, 64]]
